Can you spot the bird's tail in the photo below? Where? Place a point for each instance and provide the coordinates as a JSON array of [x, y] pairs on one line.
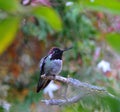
[[42, 83]]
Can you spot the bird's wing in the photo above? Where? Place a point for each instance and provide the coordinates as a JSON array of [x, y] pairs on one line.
[[42, 83], [41, 65]]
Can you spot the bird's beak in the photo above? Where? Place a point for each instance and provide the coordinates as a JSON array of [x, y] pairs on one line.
[[67, 49]]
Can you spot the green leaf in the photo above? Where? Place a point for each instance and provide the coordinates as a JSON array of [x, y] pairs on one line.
[[49, 15], [8, 28], [112, 6], [113, 103], [113, 40], [9, 5]]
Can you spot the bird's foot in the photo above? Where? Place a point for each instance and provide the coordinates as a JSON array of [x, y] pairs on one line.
[[43, 76], [52, 76]]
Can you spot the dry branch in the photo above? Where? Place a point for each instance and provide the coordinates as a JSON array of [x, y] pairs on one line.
[[73, 99], [75, 83]]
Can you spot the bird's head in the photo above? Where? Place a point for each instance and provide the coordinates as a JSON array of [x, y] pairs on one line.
[[57, 52]]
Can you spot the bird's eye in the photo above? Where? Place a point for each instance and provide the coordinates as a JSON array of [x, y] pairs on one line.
[[55, 51]]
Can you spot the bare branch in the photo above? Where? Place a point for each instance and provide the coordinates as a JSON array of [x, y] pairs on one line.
[[77, 84], [73, 99]]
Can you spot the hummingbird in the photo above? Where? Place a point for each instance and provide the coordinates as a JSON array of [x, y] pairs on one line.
[[51, 64]]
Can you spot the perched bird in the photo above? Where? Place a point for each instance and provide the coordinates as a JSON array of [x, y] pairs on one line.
[[50, 65]]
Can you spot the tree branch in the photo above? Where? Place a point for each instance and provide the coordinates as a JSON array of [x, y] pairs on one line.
[[73, 99], [75, 83]]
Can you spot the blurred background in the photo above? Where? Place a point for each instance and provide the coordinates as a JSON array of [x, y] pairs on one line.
[[29, 28]]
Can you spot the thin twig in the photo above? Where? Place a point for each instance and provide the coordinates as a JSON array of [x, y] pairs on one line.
[[73, 99]]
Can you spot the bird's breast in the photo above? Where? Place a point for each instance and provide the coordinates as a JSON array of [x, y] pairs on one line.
[[54, 66]]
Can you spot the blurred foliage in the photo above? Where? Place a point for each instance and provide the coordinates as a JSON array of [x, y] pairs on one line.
[[12, 8], [100, 104], [108, 7], [81, 24], [7, 32], [49, 15], [39, 31], [113, 39]]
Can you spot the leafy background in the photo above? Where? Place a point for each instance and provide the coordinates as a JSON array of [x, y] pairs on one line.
[[28, 31]]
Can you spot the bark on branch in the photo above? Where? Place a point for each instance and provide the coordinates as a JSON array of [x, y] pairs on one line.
[[77, 84]]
